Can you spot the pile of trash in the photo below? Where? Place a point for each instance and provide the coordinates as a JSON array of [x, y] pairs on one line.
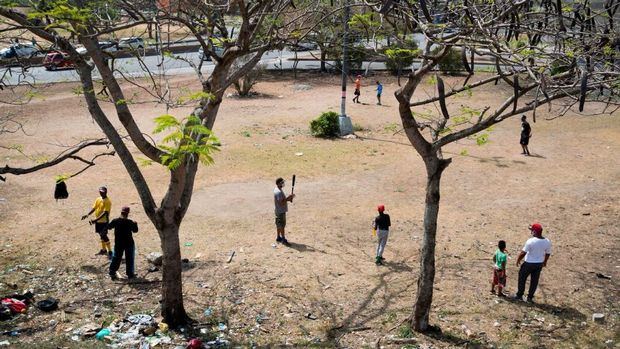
[[135, 331], [144, 332], [16, 304]]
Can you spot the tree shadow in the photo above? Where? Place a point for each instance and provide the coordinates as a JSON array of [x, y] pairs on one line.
[[435, 333], [360, 316], [383, 140]]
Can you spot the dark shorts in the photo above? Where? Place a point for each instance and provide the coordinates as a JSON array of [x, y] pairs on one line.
[[357, 92], [280, 220], [102, 230], [525, 140]]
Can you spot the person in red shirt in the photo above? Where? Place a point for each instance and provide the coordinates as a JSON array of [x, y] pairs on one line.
[[358, 86]]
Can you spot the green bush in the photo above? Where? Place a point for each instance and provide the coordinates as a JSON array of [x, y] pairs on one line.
[[451, 63], [326, 125], [398, 59]]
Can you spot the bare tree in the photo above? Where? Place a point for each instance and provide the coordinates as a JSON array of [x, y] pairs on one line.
[[262, 25], [546, 55]]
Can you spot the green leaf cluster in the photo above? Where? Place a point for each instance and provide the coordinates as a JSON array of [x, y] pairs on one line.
[[188, 139]]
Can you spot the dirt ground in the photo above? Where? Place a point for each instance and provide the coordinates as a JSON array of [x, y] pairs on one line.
[[325, 291]]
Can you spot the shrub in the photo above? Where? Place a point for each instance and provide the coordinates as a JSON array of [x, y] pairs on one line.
[[401, 56], [451, 63], [326, 125], [357, 56]]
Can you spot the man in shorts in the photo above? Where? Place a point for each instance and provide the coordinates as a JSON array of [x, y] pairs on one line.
[[101, 209], [281, 207], [526, 134], [358, 87]]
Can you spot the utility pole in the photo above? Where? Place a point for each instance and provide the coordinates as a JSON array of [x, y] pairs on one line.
[[344, 122]]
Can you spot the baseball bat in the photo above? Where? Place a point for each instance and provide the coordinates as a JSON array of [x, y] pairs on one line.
[[293, 187]]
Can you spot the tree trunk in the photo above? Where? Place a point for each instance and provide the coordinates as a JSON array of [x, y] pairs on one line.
[[424, 296], [172, 286], [323, 57]]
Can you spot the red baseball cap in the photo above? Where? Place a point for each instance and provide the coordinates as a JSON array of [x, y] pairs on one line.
[[536, 227], [380, 208]]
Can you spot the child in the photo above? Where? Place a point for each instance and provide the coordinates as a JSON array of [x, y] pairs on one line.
[[499, 269], [382, 225], [379, 91]]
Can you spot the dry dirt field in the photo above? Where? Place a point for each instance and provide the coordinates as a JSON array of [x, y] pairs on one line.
[[265, 295]]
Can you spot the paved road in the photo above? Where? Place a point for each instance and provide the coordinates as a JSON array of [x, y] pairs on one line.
[[272, 60]]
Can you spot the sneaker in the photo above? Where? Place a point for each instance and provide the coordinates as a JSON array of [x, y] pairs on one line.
[[279, 239], [101, 253], [530, 300], [518, 298], [131, 277], [114, 277], [378, 261]]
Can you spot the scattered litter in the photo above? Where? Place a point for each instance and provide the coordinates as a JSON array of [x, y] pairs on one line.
[[188, 244], [49, 304], [152, 269], [586, 214], [163, 327], [311, 316], [603, 276], [102, 334], [155, 258], [598, 317], [230, 257], [208, 311], [194, 343], [302, 87], [141, 319], [273, 245], [299, 154], [5, 343], [222, 327]]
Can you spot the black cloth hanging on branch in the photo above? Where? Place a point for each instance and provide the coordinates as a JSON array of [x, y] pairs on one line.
[[60, 192]]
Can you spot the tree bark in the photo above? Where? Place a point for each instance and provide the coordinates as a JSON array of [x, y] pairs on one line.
[[424, 296], [323, 57], [172, 308]]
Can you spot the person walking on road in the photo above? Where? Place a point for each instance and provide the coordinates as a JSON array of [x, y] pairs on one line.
[[382, 226], [379, 92], [101, 208], [281, 207], [536, 252], [358, 87], [123, 243], [526, 134]]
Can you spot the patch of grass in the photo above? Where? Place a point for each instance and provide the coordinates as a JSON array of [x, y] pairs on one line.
[[359, 128], [246, 134], [389, 318], [391, 127], [405, 331]]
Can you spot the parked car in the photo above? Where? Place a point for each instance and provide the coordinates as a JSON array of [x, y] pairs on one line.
[[131, 44], [219, 51], [304, 46], [58, 59], [105, 46], [18, 51]]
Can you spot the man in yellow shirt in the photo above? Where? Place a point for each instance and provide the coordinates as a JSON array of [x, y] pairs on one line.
[[102, 208]]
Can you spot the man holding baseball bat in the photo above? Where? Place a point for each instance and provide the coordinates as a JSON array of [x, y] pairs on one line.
[[281, 207]]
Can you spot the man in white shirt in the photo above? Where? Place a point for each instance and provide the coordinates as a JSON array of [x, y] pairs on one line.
[[536, 252]]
